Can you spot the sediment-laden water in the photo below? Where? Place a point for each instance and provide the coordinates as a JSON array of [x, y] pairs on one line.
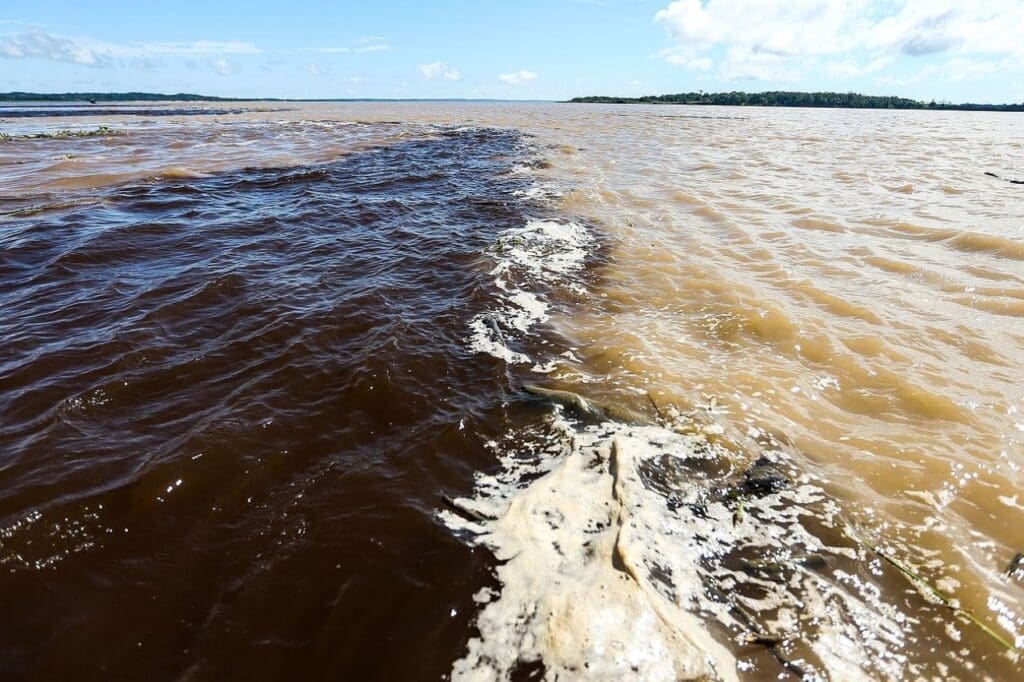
[[482, 391]]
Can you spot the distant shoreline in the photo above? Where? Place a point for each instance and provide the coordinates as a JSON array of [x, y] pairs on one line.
[[79, 97], [18, 97], [815, 100]]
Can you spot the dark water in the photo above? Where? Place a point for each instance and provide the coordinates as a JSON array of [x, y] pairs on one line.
[[231, 406], [23, 111]]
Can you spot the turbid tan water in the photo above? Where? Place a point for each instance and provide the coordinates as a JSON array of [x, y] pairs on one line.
[[790, 343]]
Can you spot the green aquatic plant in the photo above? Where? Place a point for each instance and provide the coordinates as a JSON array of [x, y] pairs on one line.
[[933, 592]]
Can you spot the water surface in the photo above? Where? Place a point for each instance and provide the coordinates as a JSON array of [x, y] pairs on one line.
[[268, 407]]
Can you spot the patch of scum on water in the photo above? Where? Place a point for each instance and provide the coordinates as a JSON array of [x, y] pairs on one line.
[[622, 552]]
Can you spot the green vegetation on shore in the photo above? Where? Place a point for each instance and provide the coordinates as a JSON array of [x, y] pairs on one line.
[[845, 100], [109, 97]]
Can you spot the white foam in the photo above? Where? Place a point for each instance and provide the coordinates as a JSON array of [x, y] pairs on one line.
[[538, 192], [613, 552], [530, 260], [484, 338]]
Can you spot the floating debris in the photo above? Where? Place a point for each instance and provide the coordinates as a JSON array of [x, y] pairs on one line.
[[1016, 567], [102, 131], [937, 594]]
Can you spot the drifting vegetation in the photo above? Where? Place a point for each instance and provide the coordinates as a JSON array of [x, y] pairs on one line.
[[102, 131]]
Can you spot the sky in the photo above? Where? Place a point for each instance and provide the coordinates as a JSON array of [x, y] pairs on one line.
[[948, 50]]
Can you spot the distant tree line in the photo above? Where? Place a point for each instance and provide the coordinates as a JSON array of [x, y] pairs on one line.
[[108, 97], [781, 98]]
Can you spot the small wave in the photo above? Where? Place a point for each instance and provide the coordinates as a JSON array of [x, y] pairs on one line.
[[835, 304], [93, 180], [893, 266], [962, 240], [988, 243], [999, 306], [40, 208], [817, 224], [269, 181], [180, 173]]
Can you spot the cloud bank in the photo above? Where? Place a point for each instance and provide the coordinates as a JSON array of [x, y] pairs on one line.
[[776, 40], [36, 43], [39, 44]]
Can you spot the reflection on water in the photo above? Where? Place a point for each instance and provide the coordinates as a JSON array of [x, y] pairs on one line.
[[836, 294]]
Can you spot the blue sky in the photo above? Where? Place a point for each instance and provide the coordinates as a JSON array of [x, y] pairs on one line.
[[957, 50]]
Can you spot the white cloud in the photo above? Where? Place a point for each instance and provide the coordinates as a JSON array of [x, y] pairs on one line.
[[368, 44], [223, 67], [960, 26], [745, 64], [700, 64], [777, 40], [918, 29], [763, 39], [439, 70], [957, 69], [521, 77], [685, 57], [317, 69], [39, 44], [962, 69], [851, 68], [193, 49], [780, 28]]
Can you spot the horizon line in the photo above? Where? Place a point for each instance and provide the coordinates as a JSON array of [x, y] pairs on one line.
[[25, 96]]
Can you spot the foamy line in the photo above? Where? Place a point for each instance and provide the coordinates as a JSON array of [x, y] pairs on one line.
[[530, 260]]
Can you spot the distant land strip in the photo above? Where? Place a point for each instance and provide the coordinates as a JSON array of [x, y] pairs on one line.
[[107, 97], [779, 98], [79, 97]]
